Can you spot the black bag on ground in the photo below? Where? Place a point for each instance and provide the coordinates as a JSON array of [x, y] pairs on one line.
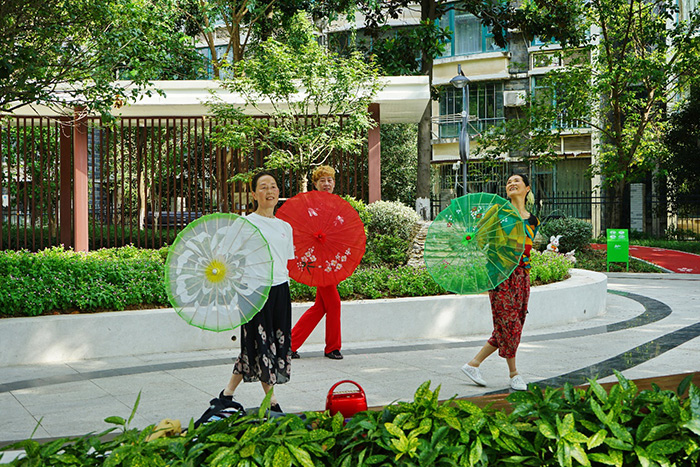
[[220, 409]]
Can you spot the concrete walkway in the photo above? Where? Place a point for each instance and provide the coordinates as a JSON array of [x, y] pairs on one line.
[[651, 328]]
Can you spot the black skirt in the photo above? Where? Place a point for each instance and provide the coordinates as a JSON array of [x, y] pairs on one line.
[[266, 350]]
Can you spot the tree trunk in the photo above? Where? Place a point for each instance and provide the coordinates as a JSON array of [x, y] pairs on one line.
[[424, 157], [618, 191], [428, 12]]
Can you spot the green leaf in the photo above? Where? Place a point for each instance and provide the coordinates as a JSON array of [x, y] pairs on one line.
[[618, 444], [684, 385], [694, 397], [598, 390], [578, 453], [136, 406], [566, 426], [663, 447], [659, 431], [248, 450], [642, 456], [116, 420], [597, 439], [564, 454], [475, 452], [301, 455], [282, 457], [693, 425], [621, 432], [394, 430], [598, 411], [601, 458], [546, 429], [645, 426]]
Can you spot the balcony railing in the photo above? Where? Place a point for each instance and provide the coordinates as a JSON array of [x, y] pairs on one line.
[[449, 126]]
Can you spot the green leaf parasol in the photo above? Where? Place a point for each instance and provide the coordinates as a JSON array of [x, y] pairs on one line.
[[475, 243], [218, 272]]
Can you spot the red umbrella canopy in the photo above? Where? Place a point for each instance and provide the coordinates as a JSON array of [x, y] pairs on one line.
[[329, 237]]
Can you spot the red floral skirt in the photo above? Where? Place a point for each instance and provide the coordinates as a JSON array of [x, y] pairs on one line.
[[508, 308]]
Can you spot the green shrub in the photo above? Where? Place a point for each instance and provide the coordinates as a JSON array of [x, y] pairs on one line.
[[59, 279], [391, 218], [360, 207], [548, 267], [377, 282], [575, 233], [128, 277], [385, 250], [542, 427]]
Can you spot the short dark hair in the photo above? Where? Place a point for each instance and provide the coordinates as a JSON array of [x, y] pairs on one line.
[[256, 177], [526, 181]]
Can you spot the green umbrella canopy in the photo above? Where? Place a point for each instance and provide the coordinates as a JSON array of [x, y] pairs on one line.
[[475, 243], [218, 272]]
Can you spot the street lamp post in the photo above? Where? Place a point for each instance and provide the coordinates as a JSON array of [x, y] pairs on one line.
[[462, 82]]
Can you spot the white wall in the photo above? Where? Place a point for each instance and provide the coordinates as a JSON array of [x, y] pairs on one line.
[[65, 338]]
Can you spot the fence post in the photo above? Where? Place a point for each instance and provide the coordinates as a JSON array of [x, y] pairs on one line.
[[80, 180], [65, 221], [374, 154]]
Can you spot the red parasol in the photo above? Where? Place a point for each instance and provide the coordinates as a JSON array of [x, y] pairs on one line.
[[329, 237]]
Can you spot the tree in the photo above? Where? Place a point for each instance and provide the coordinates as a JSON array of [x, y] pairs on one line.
[[548, 18], [619, 84], [683, 143], [319, 102], [240, 24], [398, 162], [71, 52]]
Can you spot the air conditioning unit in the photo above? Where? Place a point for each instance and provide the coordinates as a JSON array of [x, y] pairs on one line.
[[514, 98]]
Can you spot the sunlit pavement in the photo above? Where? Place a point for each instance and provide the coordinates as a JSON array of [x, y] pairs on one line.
[[651, 328]]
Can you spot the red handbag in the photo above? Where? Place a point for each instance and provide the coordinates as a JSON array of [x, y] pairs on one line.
[[347, 403]]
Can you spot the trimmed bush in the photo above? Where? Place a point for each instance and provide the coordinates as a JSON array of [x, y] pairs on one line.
[[391, 218], [575, 233], [385, 250], [58, 279]]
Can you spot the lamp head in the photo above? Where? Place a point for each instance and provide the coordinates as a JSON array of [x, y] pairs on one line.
[[459, 81]]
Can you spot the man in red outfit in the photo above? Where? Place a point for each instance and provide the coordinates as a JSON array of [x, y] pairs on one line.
[[327, 297]]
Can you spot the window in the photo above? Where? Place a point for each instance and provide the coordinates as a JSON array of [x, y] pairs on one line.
[[485, 102], [542, 90], [469, 36]]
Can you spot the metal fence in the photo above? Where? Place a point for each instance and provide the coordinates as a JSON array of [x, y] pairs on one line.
[[148, 177], [680, 219]]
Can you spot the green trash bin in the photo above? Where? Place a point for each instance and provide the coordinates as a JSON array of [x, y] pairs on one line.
[[618, 247]]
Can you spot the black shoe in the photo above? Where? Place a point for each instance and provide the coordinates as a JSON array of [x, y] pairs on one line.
[[295, 355], [276, 408], [223, 396], [334, 355]]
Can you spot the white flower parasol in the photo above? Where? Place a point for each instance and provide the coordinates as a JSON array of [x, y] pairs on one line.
[[218, 272]]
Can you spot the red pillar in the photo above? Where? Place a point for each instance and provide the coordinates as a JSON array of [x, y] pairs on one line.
[[66, 194], [80, 181], [374, 154]]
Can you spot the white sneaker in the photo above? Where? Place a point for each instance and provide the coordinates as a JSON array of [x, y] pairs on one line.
[[518, 383], [474, 374]]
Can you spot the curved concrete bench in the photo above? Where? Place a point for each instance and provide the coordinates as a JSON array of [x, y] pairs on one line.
[[63, 338]]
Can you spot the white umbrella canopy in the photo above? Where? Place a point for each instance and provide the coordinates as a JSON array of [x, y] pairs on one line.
[[218, 272]]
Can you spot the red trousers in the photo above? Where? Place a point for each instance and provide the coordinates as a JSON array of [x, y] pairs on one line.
[[327, 303], [509, 308]]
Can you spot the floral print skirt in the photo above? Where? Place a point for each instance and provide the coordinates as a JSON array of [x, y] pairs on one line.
[[266, 351], [508, 309]]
